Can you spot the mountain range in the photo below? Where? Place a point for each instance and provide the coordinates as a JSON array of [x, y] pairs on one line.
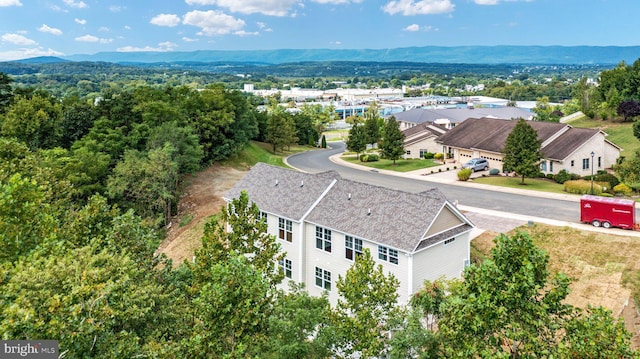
[[560, 55]]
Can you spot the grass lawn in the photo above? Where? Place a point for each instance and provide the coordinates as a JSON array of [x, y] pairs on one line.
[[534, 184], [620, 133], [261, 152], [400, 166]]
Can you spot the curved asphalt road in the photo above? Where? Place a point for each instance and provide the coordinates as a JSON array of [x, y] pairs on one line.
[[555, 209]]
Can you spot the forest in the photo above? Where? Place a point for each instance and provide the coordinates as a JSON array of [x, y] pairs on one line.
[[90, 178]]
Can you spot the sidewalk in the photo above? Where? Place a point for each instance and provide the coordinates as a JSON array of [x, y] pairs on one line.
[[485, 219]]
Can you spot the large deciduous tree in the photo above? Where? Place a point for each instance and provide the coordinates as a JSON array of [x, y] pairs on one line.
[[629, 109], [522, 150], [392, 146], [34, 121]]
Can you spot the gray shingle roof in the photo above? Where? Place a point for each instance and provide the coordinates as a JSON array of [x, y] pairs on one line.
[[397, 219], [568, 142], [288, 198], [458, 115]]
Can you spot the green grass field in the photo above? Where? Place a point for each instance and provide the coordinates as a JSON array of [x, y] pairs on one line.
[[534, 184], [400, 165], [620, 133], [261, 152]]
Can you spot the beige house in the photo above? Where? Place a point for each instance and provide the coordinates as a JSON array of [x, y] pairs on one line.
[[576, 150], [323, 222], [421, 138]]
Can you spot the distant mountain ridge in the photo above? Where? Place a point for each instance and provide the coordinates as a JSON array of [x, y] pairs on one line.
[[561, 55]]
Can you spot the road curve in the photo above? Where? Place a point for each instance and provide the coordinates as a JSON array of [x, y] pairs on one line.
[[519, 204]]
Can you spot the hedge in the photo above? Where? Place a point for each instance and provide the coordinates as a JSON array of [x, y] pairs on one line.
[[464, 174], [584, 187]]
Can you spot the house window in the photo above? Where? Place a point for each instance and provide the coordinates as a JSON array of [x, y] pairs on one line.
[[323, 278], [550, 166], [285, 230], [543, 166], [323, 239], [263, 216], [449, 241], [285, 267], [423, 152], [408, 153], [353, 247], [599, 162], [573, 163], [585, 163], [388, 254]]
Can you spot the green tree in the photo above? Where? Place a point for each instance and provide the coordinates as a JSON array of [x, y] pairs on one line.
[[522, 150], [357, 141], [238, 228], [506, 307], [543, 109], [628, 170], [6, 91], [188, 152], [392, 145], [77, 119], [371, 128], [363, 317], [34, 121]]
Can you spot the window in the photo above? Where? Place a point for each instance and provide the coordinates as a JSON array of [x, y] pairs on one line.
[[550, 166], [423, 152], [543, 166], [323, 278], [352, 245], [285, 267], [449, 241], [585, 163], [573, 163], [285, 230], [323, 239], [599, 162], [388, 254], [408, 152]]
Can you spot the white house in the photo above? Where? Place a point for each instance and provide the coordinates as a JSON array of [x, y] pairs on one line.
[[323, 222]]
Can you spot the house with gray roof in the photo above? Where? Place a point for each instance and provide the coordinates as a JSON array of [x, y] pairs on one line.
[[451, 117], [422, 138], [563, 146], [323, 222]]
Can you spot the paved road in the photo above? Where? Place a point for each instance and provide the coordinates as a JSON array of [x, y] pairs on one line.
[[524, 205]]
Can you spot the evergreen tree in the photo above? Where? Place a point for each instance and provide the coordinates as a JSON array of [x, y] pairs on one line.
[[522, 150], [371, 128], [356, 141], [324, 141], [392, 145]]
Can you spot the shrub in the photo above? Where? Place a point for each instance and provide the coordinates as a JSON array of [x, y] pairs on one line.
[[582, 187], [542, 175], [607, 177], [494, 171], [562, 177], [549, 176], [428, 155], [439, 169], [464, 174], [373, 157], [622, 189], [438, 156], [447, 168], [364, 157]]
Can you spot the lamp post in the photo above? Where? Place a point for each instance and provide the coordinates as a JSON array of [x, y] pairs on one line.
[[592, 154]]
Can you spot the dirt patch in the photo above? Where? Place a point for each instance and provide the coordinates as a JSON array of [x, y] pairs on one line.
[[201, 198]]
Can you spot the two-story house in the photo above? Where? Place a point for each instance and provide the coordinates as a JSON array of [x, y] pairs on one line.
[[323, 222]]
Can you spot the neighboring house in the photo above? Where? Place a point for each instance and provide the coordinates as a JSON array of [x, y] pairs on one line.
[[451, 117], [563, 146], [421, 139], [323, 222]]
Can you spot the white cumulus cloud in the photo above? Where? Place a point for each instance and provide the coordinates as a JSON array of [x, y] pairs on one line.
[[91, 38], [74, 4], [18, 39], [420, 7], [188, 39], [80, 21], [496, 2], [162, 47], [170, 20], [337, 2], [27, 53], [265, 7], [213, 22], [10, 3], [412, 27], [49, 30]]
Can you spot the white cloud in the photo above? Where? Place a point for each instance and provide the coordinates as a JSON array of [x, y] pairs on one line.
[[420, 7], [246, 33], [104, 29], [188, 39], [116, 8], [77, 5], [49, 30], [17, 39], [91, 38], [264, 27], [213, 22], [169, 20], [496, 2], [80, 21], [4, 3], [27, 53], [162, 47], [265, 7], [337, 2], [127, 27], [412, 27]]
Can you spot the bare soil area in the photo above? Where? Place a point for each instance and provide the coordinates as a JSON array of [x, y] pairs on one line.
[[201, 199]]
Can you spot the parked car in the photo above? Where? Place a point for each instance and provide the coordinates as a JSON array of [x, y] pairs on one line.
[[477, 164]]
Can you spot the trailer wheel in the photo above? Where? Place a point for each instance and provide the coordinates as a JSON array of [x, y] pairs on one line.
[[606, 225], [596, 223]]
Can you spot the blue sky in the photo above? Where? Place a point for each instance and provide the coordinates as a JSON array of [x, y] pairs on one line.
[[30, 28]]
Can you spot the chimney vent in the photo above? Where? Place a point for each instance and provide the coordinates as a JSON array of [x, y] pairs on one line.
[[276, 182], [301, 183], [369, 212], [349, 196]]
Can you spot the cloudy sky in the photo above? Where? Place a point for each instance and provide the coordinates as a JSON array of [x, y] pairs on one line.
[[30, 28]]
